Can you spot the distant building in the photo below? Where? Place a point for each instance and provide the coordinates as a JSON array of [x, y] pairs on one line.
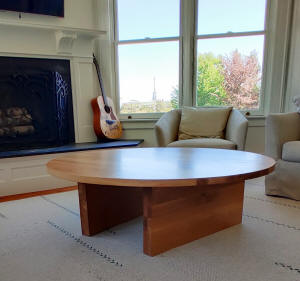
[[154, 97]]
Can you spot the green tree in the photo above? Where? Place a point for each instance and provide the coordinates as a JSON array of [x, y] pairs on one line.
[[210, 80], [175, 98]]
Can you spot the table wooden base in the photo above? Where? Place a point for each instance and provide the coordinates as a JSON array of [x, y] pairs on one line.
[[172, 216], [102, 207]]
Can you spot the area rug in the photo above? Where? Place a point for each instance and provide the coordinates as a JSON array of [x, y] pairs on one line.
[[40, 240]]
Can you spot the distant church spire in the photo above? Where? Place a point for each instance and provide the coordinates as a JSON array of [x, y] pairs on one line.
[[154, 90]]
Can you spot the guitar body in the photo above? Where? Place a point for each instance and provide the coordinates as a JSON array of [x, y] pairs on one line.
[[106, 123]]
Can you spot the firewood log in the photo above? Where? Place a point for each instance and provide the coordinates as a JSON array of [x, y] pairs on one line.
[[22, 130], [21, 120], [15, 111], [5, 121], [15, 116], [2, 121], [4, 131]]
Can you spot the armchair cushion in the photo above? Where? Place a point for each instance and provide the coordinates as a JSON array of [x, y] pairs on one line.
[[281, 128], [236, 129], [203, 122], [291, 151], [166, 128], [204, 143]]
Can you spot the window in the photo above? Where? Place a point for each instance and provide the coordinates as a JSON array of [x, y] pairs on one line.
[[230, 49], [147, 43], [154, 47]]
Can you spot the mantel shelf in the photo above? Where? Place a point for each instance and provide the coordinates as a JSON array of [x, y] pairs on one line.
[[65, 36], [92, 33]]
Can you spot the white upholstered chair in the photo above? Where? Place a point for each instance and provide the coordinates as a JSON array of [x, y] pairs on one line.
[[283, 144], [167, 127]]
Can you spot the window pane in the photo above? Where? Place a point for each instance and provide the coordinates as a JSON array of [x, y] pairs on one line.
[[219, 16], [139, 19], [229, 71], [148, 76]]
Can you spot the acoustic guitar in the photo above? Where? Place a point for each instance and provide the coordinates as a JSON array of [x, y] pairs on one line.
[[106, 123]]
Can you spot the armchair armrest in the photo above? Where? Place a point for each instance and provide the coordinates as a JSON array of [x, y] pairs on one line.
[[236, 129], [281, 128], [166, 128]]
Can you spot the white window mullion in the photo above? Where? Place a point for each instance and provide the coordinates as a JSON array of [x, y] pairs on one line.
[[188, 30], [115, 28], [148, 40], [231, 34], [195, 55], [277, 45]]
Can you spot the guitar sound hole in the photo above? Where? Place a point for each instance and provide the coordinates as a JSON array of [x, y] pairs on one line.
[[107, 109]]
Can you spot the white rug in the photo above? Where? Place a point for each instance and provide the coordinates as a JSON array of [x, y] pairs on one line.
[[40, 239]]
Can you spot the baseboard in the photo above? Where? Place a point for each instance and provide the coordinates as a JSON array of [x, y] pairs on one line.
[[36, 193]]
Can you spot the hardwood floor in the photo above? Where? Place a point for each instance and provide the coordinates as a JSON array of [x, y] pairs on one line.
[[36, 193]]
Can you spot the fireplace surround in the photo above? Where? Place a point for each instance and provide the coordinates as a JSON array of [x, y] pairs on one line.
[[73, 38], [36, 108]]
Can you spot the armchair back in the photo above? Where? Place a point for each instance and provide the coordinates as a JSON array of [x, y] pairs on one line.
[[166, 128], [281, 128]]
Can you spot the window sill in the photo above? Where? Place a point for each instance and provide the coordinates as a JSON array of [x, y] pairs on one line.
[[148, 124], [256, 121], [139, 120], [138, 124]]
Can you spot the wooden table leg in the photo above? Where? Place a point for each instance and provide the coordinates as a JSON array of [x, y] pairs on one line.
[[175, 216], [102, 207]]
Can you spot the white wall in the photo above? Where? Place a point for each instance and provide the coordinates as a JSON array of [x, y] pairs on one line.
[[27, 174], [78, 13]]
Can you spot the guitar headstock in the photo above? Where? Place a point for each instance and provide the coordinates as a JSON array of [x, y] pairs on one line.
[[94, 59]]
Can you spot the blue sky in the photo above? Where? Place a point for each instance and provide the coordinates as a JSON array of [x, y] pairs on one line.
[[143, 18], [140, 63], [220, 16]]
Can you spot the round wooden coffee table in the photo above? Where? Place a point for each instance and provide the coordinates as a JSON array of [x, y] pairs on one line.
[[182, 193]]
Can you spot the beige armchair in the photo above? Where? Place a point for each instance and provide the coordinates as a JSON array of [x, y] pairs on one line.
[[166, 131], [283, 144]]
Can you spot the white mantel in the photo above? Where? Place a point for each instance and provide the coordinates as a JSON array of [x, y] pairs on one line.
[[72, 38], [40, 40]]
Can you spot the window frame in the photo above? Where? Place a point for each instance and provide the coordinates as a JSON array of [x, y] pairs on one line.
[[117, 42], [187, 40], [261, 109]]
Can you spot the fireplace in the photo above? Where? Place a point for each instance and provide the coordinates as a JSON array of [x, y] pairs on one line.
[[36, 108]]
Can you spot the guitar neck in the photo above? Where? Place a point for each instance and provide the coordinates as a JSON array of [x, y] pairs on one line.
[[100, 80]]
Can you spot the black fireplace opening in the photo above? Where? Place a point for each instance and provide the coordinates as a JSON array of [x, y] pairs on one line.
[[36, 109]]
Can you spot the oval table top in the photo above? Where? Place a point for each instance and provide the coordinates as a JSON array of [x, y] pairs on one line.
[[160, 167]]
